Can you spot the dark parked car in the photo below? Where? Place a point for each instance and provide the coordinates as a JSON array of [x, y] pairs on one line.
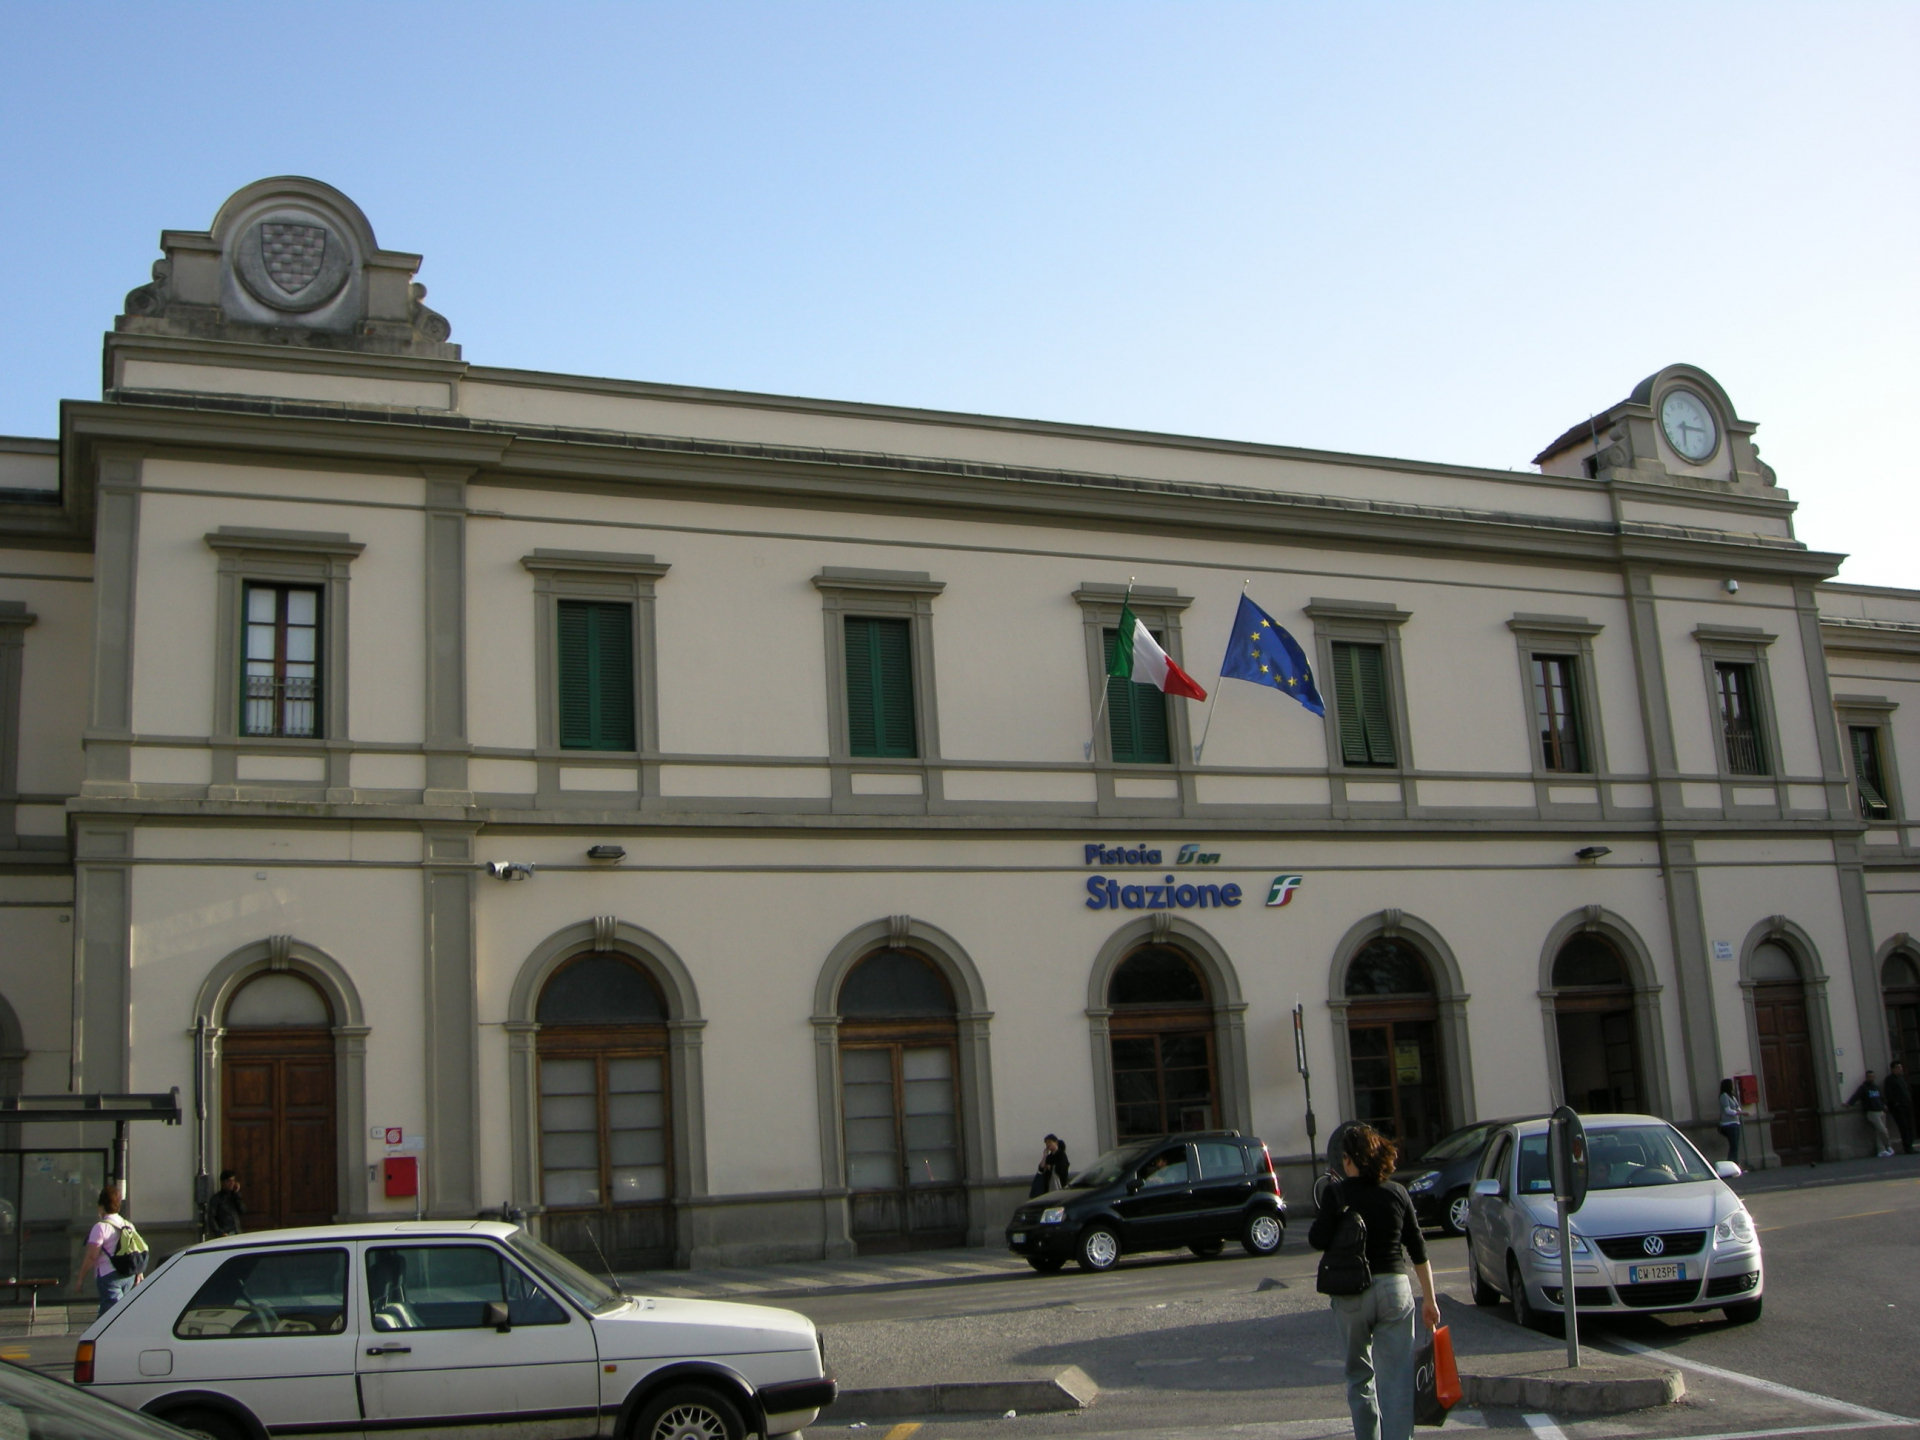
[[34, 1407], [1198, 1190], [1441, 1180]]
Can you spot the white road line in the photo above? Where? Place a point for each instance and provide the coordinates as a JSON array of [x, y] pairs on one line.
[[1794, 1430], [1771, 1387], [1544, 1428]]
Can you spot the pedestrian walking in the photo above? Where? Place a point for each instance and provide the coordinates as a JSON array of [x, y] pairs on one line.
[[1899, 1096], [1376, 1325], [1871, 1101], [1731, 1115], [225, 1207], [102, 1243], [1054, 1169]]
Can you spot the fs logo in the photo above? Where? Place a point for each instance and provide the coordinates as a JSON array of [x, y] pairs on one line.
[[1281, 891]]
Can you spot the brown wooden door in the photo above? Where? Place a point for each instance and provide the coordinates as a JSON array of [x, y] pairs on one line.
[[278, 1124], [900, 1102], [1786, 1071]]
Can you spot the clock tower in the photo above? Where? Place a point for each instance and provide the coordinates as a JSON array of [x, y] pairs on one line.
[[1677, 425]]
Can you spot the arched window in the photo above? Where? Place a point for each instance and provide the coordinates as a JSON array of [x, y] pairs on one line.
[[900, 1103], [279, 1128], [1393, 1044], [1900, 990], [1164, 1076], [604, 1141], [1598, 1035], [1787, 1085]]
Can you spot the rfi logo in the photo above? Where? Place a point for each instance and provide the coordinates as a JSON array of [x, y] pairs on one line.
[[1190, 855], [1281, 891]]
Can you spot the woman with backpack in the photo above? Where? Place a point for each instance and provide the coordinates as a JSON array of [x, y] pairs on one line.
[[115, 1254], [1366, 1225]]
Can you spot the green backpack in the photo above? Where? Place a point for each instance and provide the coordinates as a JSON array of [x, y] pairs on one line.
[[130, 1252]]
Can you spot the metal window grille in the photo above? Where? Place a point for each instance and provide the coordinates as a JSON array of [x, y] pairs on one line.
[[280, 683]]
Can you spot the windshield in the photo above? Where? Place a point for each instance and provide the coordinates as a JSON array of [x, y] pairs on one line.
[[1623, 1158], [1460, 1144], [589, 1291], [1109, 1167]]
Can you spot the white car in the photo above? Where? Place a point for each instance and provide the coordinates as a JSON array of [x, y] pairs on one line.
[[470, 1328], [1660, 1229]]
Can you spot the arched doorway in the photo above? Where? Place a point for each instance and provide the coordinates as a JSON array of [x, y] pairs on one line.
[[1593, 1005], [1787, 1085], [1393, 1044], [900, 1104], [1900, 993], [1165, 1079], [278, 1127], [605, 1144]]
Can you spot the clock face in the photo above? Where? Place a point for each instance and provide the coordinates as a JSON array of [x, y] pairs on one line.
[[1688, 424]]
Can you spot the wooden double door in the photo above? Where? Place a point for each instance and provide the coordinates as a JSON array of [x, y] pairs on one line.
[[1787, 1070], [278, 1124]]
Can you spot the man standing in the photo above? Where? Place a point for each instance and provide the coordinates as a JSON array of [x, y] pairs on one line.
[[224, 1207], [1869, 1099], [1900, 1104]]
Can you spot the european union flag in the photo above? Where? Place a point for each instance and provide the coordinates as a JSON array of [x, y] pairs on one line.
[[1261, 651]]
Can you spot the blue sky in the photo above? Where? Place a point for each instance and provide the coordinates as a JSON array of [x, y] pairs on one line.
[[1445, 231]]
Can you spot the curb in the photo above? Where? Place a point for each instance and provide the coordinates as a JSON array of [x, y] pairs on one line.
[[1071, 1389], [1573, 1397]]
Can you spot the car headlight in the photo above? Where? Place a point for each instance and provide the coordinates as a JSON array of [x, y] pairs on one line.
[[1546, 1241], [1424, 1182], [1737, 1228], [1053, 1215]]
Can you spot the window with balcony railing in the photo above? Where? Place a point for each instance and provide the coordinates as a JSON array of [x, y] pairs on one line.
[[1740, 728], [280, 687]]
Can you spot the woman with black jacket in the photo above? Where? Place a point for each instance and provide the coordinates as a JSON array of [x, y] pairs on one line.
[[1377, 1324], [1053, 1168]]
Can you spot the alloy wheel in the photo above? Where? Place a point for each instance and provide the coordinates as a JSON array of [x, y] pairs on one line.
[[690, 1422], [1264, 1234], [1458, 1210], [1099, 1249]]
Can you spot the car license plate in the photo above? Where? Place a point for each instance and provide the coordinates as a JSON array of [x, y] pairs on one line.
[[1648, 1274], [1019, 1237]]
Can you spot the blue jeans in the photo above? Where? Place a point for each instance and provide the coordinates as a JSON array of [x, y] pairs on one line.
[[1377, 1326], [113, 1289]]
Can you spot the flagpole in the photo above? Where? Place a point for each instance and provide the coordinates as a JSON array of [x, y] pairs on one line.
[[1207, 724], [1101, 709]]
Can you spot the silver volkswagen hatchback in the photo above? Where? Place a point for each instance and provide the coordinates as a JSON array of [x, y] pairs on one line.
[[1660, 1229]]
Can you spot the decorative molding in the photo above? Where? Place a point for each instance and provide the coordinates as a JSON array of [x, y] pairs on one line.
[[605, 928], [279, 952]]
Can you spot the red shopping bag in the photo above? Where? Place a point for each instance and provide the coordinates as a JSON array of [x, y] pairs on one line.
[[1446, 1378], [1436, 1384]]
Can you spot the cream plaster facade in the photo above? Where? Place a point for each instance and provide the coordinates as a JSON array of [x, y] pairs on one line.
[[156, 857]]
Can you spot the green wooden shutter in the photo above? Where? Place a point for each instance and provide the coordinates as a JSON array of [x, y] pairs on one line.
[[880, 688], [1136, 719], [1360, 703], [596, 675]]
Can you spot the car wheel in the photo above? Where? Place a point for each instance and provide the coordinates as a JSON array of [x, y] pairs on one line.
[[1523, 1310], [1484, 1295], [1207, 1249], [1262, 1233], [1046, 1264], [688, 1412], [1743, 1312], [1453, 1216], [214, 1424], [1099, 1249]]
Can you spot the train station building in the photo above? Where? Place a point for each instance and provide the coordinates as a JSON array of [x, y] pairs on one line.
[[706, 820]]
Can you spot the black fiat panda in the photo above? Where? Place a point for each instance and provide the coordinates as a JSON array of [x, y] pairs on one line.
[[1198, 1190]]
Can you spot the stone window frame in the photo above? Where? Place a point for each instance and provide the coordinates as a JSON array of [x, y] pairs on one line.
[[15, 617], [1364, 622], [320, 558], [1743, 645], [1874, 712], [605, 575], [1572, 636], [1159, 608], [850, 591]]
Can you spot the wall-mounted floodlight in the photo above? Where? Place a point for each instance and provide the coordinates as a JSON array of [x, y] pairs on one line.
[[510, 869], [607, 852], [1733, 586], [1592, 853]]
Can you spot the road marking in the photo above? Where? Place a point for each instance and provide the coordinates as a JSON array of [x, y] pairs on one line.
[[1771, 1387], [903, 1430], [1544, 1428], [1795, 1430]]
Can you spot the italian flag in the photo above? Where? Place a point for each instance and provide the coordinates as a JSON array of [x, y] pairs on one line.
[[1137, 658]]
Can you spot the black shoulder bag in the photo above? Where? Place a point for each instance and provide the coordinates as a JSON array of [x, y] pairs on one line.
[[1343, 1265]]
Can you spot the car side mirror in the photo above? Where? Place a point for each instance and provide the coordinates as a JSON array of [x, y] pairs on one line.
[[1489, 1187], [1727, 1170], [1133, 1184], [498, 1316]]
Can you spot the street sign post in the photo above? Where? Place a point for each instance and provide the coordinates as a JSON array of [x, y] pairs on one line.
[[1567, 1165], [1300, 1064]]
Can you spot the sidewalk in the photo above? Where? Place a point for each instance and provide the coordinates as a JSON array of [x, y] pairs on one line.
[[828, 1277], [1833, 1172], [55, 1317]]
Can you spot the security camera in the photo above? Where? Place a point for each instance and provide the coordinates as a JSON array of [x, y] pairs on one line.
[[510, 869]]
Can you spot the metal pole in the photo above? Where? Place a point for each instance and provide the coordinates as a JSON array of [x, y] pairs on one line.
[[1569, 1309]]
